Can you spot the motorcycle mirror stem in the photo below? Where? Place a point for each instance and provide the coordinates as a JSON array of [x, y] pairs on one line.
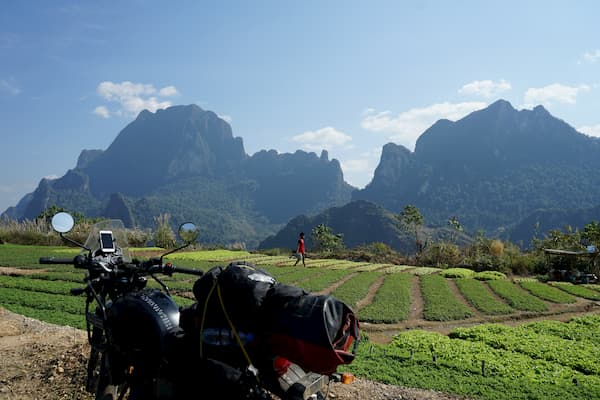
[[62, 222], [188, 232]]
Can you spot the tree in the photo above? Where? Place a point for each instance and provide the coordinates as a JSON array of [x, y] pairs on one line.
[[325, 240], [164, 236], [456, 227], [591, 232], [411, 220]]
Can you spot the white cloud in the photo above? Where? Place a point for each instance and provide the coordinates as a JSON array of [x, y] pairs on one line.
[[591, 57], [486, 88], [102, 111], [133, 97], [51, 177], [168, 91], [324, 138], [590, 130], [554, 93], [9, 86], [406, 127]]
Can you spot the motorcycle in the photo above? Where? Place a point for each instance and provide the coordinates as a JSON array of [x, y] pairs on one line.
[[139, 348]]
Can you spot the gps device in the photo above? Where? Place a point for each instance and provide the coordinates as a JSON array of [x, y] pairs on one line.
[[107, 242]]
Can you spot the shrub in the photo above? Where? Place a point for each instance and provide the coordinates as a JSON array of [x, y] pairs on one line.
[[440, 254], [489, 275], [496, 248], [164, 236], [457, 273]]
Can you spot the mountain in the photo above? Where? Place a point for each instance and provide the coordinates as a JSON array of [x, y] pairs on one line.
[[490, 169], [359, 221], [185, 161], [542, 221]]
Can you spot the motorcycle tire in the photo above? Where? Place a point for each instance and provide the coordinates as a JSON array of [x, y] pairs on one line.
[[93, 366], [106, 390]]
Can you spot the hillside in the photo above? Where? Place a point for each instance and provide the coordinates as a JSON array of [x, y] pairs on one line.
[[490, 169], [185, 161]]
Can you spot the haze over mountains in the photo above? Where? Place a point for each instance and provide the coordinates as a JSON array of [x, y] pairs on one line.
[[491, 170]]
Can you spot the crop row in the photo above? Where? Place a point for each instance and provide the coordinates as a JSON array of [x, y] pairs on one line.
[[546, 292], [516, 297], [356, 288], [576, 354], [477, 293], [322, 280], [391, 302], [577, 290], [441, 303], [470, 368]]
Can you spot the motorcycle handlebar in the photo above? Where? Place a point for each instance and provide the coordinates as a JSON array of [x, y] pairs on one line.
[[189, 271], [169, 269], [55, 260]]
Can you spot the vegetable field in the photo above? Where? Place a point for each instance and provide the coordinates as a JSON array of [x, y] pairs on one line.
[[541, 360]]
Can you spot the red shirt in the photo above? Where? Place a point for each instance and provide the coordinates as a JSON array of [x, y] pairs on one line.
[[300, 246]]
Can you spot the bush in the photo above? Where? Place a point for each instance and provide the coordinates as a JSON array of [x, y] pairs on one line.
[[138, 237], [457, 273], [164, 236], [375, 252], [489, 275], [440, 254]]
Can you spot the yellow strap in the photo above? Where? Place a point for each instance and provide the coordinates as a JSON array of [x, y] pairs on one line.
[[235, 333], [204, 314], [237, 337]]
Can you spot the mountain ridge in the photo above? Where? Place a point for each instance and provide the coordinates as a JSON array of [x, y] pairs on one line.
[[491, 169], [186, 158]]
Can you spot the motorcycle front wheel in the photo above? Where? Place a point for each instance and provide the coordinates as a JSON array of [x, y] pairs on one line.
[[106, 390]]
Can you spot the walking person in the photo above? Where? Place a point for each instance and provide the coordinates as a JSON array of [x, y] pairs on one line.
[[300, 250]]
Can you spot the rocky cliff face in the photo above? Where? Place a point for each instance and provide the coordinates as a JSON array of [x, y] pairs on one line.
[[159, 148], [185, 161], [490, 169]]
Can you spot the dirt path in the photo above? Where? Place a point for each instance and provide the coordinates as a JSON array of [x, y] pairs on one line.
[[370, 294], [337, 284], [417, 305], [14, 271], [452, 285], [46, 362]]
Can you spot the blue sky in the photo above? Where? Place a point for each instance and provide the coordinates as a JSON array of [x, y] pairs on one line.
[[346, 76]]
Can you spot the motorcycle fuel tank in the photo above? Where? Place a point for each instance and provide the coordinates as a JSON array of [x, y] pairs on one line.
[[141, 324]]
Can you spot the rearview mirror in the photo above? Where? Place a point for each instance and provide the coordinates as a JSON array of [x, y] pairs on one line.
[[62, 222], [188, 232]]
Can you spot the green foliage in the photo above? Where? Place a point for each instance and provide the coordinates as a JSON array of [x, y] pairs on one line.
[[356, 288], [457, 273], [375, 252], [480, 297], [577, 290], [474, 368], [325, 240], [441, 303], [516, 296], [322, 279], [456, 226], [537, 344], [546, 292], [591, 232], [440, 254], [391, 302], [163, 235], [488, 275], [411, 220]]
